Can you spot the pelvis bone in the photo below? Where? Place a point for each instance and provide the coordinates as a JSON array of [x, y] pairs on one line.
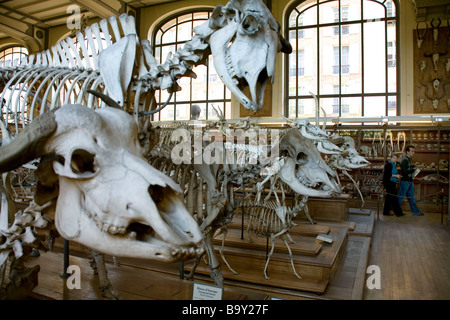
[[110, 199]]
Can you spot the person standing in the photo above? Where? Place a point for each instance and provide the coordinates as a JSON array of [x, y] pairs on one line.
[[390, 179], [406, 182]]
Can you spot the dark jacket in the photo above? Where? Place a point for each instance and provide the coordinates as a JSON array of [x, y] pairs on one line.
[[407, 169], [389, 170]]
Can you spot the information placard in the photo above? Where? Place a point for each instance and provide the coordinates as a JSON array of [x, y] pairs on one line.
[[206, 292]]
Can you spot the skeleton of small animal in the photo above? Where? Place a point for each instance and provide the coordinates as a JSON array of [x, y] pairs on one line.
[[272, 218]]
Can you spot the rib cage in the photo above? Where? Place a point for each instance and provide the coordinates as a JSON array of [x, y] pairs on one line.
[[65, 73]]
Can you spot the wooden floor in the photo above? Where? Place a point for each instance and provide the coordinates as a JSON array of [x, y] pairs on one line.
[[413, 254]]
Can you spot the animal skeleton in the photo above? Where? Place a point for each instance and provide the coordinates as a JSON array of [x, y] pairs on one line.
[[301, 168], [125, 70], [273, 219]]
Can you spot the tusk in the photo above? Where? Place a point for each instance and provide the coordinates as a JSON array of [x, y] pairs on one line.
[[110, 102]]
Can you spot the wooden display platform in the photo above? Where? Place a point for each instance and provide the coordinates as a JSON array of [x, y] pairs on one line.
[[335, 208], [313, 261], [132, 283], [335, 271]]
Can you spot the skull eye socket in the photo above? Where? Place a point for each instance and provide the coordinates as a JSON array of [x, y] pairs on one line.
[[301, 158], [82, 161], [250, 24]]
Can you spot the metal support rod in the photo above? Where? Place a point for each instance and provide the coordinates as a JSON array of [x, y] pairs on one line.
[[242, 211], [65, 275], [181, 270]]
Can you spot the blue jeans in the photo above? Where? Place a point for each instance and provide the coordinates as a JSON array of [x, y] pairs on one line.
[[407, 188]]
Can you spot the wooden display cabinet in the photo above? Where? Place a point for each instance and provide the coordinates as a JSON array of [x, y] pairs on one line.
[[376, 143]]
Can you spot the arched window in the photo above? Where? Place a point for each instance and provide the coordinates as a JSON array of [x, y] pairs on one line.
[[207, 90], [345, 52], [13, 54]]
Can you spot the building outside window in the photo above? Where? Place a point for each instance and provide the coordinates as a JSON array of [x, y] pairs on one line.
[[349, 55]]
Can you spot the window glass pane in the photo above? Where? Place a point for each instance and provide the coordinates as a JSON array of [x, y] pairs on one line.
[[170, 35], [293, 19], [201, 15], [374, 57], [183, 112], [373, 10], [330, 105], [292, 113], [185, 18], [351, 64], [390, 7], [351, 107], [204, 87], [374, 106], [392, 57], [200, 83], [185, 31], [353, 9], [185, 93], [227, 109], [158, 37], [392, 106], [329, 60], [168, 113], [215, 84], [307, 108], [308, 17], [165, 53], [327, 12]]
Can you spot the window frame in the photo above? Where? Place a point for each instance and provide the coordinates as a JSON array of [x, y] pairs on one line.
[[301, 6], [12, 48]]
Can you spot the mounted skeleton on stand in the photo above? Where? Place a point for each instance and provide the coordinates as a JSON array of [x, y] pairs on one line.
[[297, 168], [126, 71]]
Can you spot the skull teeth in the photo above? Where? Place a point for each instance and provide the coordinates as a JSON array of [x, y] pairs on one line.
[[229, 65], [185, 252], [105, 227]]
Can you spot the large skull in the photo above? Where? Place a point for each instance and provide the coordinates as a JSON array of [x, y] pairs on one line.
[[304, 169], [244, 39], [110, 199]]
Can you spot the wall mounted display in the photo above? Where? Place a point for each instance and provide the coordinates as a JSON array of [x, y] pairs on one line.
[[432, 67]]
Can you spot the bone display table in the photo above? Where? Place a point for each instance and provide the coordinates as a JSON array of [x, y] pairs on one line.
[[335, 208]]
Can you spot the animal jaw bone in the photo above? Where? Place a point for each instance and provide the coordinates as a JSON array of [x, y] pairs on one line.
[[110, 199]]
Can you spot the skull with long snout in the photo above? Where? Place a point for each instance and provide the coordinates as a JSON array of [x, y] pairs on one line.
[[110, 199], [244, 39], [304, 170]]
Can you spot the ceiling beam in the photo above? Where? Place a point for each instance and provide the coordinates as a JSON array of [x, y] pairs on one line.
[[100, 8], [30, 35], [427, 10], [20, 13]]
